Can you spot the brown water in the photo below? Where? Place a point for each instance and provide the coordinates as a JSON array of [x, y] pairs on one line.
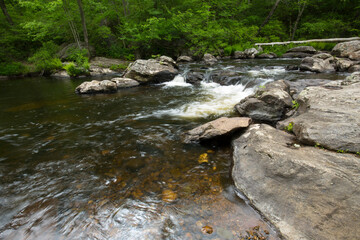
[[113, 166]]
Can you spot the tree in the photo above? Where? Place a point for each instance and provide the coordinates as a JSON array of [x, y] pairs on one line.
[[4, 10], [82, 15], [301, 10], [270, 15]]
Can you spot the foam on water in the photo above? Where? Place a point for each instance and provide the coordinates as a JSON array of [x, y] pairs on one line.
[[267, 72], [178, 81]]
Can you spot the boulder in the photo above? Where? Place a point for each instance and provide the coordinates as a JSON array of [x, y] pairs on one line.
[[292, 68], [268, 104], [303, 49], [60, 74], [239, 55], [226, 77], [251, 52], [306, 192], [219, 127], [315, 64], [168, 60], [342, 65], [322, 56], [194, 77], [209, 59], [184, 59], [300, 84], [99, 71], [267, 56], [125, 82], [296, 55], [347, 49], [104, 62], [95, 86], [354, 68], [152, 70], [329, 115]]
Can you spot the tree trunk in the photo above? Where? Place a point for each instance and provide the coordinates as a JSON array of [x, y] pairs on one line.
[[4, 10], [72, 25], [269, 16], [86, 38], [297, 21], [309, 41], [124, 6]]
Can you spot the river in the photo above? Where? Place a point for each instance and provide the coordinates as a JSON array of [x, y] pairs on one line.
[[113, 166]]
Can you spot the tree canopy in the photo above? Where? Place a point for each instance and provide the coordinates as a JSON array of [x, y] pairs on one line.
[[132, 29]]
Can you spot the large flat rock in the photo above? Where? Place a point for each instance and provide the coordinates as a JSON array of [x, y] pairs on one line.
[[306, 192], [330, 116]]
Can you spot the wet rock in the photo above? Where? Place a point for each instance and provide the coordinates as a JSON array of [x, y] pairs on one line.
[[184, 59], [267, 104], [342, 65], [303, 49], [354, 68], [353, 78], [318, 65], [329, 115], [300, 84], [239, 55], [296, 55], [209, 59], [219, 127], [125, 82], [322, 56], [267, 55], [194, 77], [251, 52], [152, 70], [347, 50], [95, 86], [292, 68], [167, 60], [226, 78], [306, 192]]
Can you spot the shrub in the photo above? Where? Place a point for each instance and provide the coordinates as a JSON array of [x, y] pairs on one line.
[[80, 63], [118, 67], [12, 68], [45, 60]]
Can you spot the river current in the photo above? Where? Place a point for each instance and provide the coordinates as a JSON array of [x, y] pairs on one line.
[[113, 166]]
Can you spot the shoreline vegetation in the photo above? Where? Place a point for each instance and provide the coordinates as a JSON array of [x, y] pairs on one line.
[[34, 33]]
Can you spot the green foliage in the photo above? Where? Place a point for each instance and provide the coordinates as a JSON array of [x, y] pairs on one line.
[[80, 63], [118, 67], [12, 68], [289, 127], [295, 104], [45, 60]]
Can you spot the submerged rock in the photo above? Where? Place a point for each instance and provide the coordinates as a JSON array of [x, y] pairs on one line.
[[268, 103], [329, 115], [306, 192], [209, 59], [347, 50], [194, 77], [219, 127], [152, 70], [95, 86], [267, 55]]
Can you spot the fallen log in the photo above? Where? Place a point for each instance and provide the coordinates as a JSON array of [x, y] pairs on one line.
[[309, 41]]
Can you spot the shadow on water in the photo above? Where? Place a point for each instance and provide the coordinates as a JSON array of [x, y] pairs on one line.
[[113, 166]]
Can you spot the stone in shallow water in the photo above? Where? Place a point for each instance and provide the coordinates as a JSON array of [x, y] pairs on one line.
[[125, 82], [95, 86], [216, 128]]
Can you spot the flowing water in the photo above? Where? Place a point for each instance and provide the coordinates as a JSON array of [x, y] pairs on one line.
[[113, 166]]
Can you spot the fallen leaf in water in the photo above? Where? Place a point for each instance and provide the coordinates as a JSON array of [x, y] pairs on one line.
[[203, 158], [207, 229], [90, 202], [210, 151], [26, 135], [137, 193], [105, 152], [168, 196], [50, 138], [66, 156]]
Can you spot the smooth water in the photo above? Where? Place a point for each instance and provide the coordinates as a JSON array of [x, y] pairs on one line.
[[113, 166]]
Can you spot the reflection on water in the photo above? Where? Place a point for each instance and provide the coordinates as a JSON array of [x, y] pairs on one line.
[[113, 166]]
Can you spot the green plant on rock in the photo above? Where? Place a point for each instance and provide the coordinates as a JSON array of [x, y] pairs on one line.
[[295, 104], [80, 63], [118, 67], [289, 127]]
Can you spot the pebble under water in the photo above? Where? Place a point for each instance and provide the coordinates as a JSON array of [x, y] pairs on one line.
[[113, 166]]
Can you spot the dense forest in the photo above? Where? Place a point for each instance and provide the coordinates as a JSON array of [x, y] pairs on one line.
[[33, 31]]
